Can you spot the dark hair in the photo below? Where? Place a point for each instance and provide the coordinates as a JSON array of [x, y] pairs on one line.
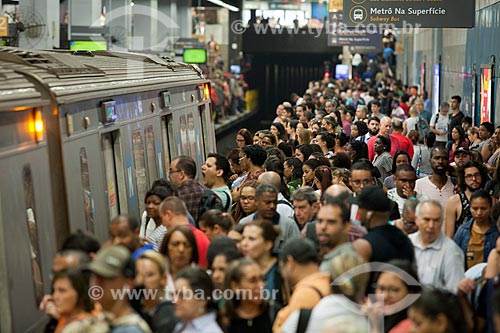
[[132, 222], [79, 280], [199, 280], [296, 164], [360, 149], [430, 139], [433, 302], [404, 167], [364, 165], [286, 148], [399, 152], [345, 208], [457, 98], [221, 163], [362, 127], [256, 154], [222, 245], [186, 164], [328, 138], [306, 150], [280, 129], [488, 126], [273, 152], [324, 175], [167, 185], [341, 160], [461, 133], [265, 188], [81, 241], [471, 164], [188, 233], [247, 135], [316, 148], [214, 217], [386, 141], [161, 192], [481, 194], [323, 160], [234, 156], [414, 136], [375, 119], [312, 164]]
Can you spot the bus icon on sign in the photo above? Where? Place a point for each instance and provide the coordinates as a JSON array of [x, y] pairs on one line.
[[358, 15]]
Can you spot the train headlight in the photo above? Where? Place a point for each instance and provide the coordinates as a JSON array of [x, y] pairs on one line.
[[35, 125], [206, 91]]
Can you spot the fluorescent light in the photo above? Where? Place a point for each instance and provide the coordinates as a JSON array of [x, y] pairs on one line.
[[225, 5]]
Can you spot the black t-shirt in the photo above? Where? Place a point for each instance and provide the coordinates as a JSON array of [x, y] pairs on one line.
[[455, 121], [261, 324], [388, 242]]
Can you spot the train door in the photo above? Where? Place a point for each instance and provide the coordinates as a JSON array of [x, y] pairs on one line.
[[207, 129], [27, 236], [190, 139], [86, 185], [115, 173], [168, 140]]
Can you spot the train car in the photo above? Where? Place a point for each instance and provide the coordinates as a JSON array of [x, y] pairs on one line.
[[83, 137]]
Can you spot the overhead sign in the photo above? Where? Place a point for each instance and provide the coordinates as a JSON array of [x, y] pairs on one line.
[[411, 13], [335, 5], [341, 35]]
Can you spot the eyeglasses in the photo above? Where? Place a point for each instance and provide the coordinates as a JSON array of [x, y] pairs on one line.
[[173, 171], [365, 182], [476, 175]]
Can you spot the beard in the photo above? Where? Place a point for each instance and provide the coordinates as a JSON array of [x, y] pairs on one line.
[[373, 132], [472, 189]]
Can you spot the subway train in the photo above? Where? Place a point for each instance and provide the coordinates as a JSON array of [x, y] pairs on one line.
[[82, 137]]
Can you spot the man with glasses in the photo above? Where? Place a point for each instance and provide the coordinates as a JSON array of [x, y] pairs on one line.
[[182, 174], [471, 177], [440, 260]]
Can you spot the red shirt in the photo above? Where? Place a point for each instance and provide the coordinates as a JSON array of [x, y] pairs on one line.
[[404, 143], [202, 243]]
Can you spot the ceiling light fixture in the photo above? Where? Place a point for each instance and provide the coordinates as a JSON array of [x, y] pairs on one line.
[[225, 5]]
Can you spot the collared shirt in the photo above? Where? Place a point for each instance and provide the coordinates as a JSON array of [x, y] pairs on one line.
[[203, 324], [425, 187], [327, 258], [289, 228], [394, 196], [440, 264], [462, 238], [305, 295], [191, 192]]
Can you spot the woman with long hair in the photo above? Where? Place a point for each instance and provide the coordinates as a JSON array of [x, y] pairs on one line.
[[244, 138], [437, 311], [322, 178], [303, 152], [258, 242], [458, 140], [247, 311], [400, 157], [293, 173], [308, 172], [180, 248], [422, 156]]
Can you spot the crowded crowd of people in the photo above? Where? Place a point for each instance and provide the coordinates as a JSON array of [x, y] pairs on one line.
[[357, 210]]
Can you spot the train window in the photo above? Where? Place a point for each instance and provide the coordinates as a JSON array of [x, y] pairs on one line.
[[204, 129], [88, 201], [184, 148], [170, 132], [16, 128], [109, 168], [140, 167], [166, 133], [29, 200], [120, 172], [192, 136], [151, 154]]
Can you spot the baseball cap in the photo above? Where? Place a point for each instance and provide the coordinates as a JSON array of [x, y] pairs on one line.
[[373, 198], [302, 250], [462, 150], [111, 262]]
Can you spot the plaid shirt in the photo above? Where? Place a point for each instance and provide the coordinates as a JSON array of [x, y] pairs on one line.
[[191, 193]]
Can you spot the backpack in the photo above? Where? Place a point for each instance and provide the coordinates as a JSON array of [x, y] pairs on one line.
[[423, 129], [210, 200]]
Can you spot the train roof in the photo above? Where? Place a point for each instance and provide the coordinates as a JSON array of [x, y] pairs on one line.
[[72, 75]]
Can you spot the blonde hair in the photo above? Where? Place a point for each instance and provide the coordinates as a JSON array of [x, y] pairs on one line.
[[305, 136], [344, 280], [157, 258]]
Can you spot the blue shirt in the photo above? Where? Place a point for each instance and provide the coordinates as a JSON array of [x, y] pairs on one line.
[[462, 238]]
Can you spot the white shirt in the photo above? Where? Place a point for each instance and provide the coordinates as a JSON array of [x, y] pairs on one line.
[[440, 264], [441, 125], [332, 306], [394, 196], [203, 324], [425, 187]]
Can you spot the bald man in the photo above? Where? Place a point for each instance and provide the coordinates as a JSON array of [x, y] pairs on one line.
[[385, 128], [285, 208]]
